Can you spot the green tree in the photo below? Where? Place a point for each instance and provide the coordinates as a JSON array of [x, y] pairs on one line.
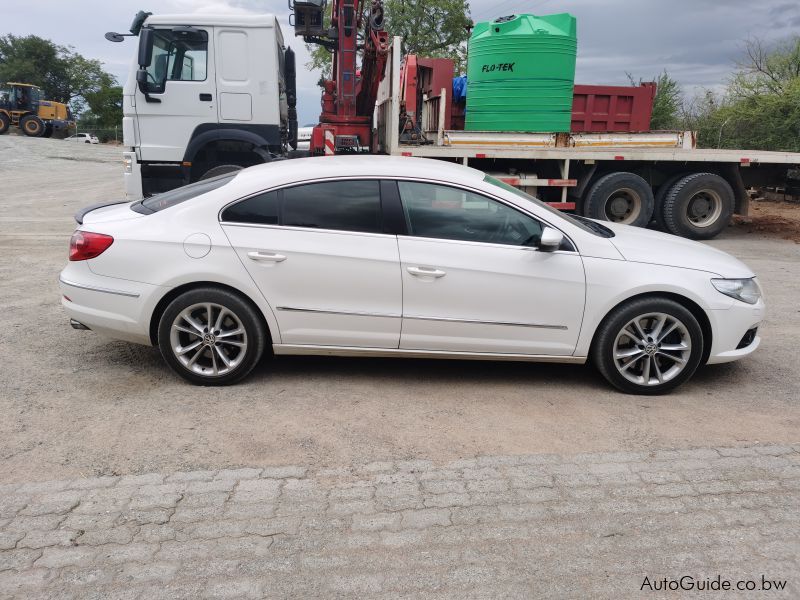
[[667, 104], [435, 28], [760, 108], [63, 74], [106, 106]]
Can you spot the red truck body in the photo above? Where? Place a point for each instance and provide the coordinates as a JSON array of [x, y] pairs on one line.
[[608, 108]]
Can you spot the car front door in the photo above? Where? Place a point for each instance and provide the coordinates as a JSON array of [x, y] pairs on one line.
[[475, 281], [320, 256]]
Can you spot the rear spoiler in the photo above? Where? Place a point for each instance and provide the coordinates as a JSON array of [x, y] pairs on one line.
[[86, 210]]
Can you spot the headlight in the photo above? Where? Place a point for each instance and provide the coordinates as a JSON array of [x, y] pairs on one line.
[[746, 290]]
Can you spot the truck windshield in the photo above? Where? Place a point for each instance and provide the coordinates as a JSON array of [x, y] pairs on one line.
[[182, 194], [585, 224]]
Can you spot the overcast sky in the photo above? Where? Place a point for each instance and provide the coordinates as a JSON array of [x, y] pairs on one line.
[[697, 41]]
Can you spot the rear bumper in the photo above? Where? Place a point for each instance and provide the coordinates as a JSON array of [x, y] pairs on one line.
[[730, 326], [116, 308]]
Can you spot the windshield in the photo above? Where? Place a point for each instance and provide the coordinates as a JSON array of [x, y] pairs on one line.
[[182, 194], [581, 222]]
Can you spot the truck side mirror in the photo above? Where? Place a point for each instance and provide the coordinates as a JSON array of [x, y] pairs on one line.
[[141, 80], [145, 47]]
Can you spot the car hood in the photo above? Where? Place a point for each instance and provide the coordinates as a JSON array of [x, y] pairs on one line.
[[646, 246]]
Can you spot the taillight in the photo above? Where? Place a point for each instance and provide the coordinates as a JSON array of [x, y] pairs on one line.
[[84, 245]]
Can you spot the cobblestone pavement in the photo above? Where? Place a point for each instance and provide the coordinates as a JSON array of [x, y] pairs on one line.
[[496, 526]]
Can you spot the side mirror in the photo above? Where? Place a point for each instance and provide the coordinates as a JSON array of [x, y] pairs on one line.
[[141, 79], [145, 47], [551, 240]]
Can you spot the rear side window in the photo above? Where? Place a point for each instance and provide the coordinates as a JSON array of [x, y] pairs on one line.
[[181, 194], [343, 205], [351, 205], [261, 209]]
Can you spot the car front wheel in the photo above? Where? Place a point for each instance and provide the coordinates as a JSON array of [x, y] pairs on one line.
[[211, 336], [648, 346]]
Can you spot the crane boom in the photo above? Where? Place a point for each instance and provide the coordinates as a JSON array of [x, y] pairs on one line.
[[348, 97]]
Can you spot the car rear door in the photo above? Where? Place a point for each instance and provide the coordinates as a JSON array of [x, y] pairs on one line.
[[474, 281], [320, 256]]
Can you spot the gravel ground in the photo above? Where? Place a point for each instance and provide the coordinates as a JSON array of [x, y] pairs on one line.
[[74, 404]]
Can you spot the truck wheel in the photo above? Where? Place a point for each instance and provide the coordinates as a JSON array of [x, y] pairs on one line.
[[622, 198], [220, 170], [699, 206], [48, 131], [661, 195], [4, 123], [33, 126]]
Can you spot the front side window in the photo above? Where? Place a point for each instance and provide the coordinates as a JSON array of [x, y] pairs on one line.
[[438, 211], [177, 57]]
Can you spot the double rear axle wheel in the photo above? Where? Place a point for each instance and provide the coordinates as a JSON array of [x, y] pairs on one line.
[[697, 206]]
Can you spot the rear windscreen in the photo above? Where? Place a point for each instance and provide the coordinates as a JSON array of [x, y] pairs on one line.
[[187, 192]]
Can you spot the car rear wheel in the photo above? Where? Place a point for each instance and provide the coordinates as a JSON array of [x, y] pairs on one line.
[[648, 346], [211, 336]]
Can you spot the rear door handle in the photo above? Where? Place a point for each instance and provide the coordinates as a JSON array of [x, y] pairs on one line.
[[266, 257], [426, 272], [206, 97]]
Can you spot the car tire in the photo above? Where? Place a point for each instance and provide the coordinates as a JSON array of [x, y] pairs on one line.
[[220, 170], [5, 123], [699, 206], [620, 197], [644, 359], [660, 196], [32, 126], [211, 351]]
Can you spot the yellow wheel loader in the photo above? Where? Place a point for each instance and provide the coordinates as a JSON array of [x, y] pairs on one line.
[[21, 106]]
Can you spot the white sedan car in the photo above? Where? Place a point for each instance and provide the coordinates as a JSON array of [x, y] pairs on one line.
[[385, 256], [86, 138]]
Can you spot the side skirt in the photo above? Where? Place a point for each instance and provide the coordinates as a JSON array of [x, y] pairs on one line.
[[302, 349]]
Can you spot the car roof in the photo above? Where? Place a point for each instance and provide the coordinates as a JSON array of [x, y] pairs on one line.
[[323, 167]]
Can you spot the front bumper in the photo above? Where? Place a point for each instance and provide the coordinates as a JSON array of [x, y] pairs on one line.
[[729, 326], [116, 308]]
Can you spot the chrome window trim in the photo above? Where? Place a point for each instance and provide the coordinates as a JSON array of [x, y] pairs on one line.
[[466, 187], [95, 288], [306, 229]]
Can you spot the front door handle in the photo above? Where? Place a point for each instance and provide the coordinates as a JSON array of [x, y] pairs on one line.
[[426, 272], [266, 257], [206, 97]]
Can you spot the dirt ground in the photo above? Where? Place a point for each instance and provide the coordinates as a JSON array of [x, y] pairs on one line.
[[772, 217], [76, 404]]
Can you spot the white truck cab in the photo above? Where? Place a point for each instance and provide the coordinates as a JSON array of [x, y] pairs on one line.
[[205, 95]]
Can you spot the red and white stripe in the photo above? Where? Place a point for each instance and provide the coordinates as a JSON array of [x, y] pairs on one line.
[[330, 145]]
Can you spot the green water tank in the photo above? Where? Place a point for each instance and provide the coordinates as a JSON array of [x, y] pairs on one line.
[[520, 73]]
